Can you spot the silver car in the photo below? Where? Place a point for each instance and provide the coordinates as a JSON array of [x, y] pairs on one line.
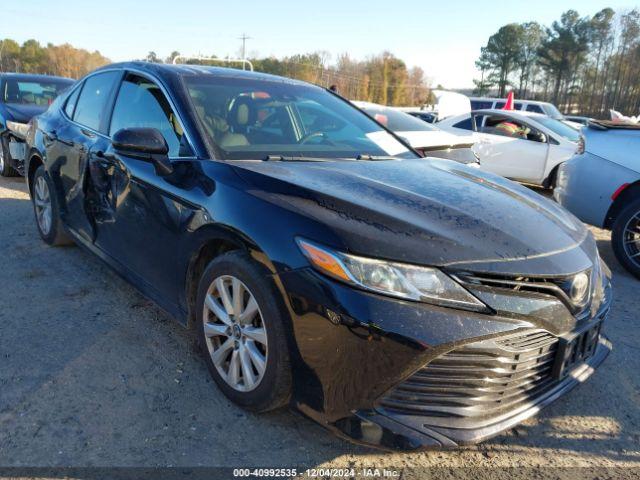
[[601, 186]]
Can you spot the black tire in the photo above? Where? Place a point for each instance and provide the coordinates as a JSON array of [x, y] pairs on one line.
[[274, 389], [56, 234], [6, 170], [628, 217], [552, 179]]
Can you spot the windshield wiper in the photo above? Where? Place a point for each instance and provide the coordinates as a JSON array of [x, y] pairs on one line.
[[282, 158], [295, 158], [375, 158]]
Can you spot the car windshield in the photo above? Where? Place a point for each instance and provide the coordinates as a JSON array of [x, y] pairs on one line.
[[249, 118], [397, 121], [32, 92], [553, 112], [562, 129]]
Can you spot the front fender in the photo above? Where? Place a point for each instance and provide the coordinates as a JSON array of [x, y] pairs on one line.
[[36, 153]]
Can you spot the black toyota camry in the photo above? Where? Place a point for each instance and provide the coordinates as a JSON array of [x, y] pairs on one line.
[[401, 302]]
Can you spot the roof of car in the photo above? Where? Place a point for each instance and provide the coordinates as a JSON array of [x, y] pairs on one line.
[[492, 111], [363, 104], [34, 76], [499, 111], [163, 70], [517, 100]]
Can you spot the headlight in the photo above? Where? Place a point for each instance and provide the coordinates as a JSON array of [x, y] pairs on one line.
[[410, 282], [21, 129], [579, 290]]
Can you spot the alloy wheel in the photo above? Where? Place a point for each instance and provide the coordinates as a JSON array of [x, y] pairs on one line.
[[631, 239], [42, 201], [235, 333]]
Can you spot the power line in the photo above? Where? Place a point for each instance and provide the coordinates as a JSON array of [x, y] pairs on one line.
[[332, 72], [244, 39]]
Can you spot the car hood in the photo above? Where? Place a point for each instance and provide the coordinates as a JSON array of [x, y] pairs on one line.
[[429, 139], [22, 113], [428, 212]]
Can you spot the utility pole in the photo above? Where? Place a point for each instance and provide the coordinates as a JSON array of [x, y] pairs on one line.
[[244, 39]]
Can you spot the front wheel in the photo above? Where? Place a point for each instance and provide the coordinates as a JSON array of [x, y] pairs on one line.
[[6, 170], [551, 180], [625, 237], [242, 331]]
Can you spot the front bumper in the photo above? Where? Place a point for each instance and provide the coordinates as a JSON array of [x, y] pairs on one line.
[[16, 151], [352, 349], [387, 429]]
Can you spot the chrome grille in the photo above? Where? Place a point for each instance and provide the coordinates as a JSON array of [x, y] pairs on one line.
[[479, 380], [542, 285]]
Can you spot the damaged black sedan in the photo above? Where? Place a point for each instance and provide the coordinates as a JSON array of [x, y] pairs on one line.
[[22, 96], [401, 302]]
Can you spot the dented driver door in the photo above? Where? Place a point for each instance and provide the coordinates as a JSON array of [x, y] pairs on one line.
[[140, 213], [69, 143], [138, 222]]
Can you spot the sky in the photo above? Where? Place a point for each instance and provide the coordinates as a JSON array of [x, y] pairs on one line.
[[442, 37]]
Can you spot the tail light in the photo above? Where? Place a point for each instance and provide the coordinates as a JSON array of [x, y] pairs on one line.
[[619, 190]]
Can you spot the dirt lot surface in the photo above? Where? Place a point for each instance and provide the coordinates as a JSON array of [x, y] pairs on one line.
[[92, 374]]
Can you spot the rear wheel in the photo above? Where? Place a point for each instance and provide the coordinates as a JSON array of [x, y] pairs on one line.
[[45, 207], [6, 170], [625, 237], [242, 332]]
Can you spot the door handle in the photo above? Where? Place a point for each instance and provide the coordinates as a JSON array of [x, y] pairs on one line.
[[51, 136], [103, 156]]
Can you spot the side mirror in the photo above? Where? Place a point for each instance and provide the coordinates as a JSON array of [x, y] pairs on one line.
[[145, 144]]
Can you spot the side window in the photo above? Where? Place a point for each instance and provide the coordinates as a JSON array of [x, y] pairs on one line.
[[478, 121], [315, 119], [508, 127], [91, 106], [70, 106], [269, 120], [518, 105], [534, 108], [481, 104], [141, 103], [464, 124]]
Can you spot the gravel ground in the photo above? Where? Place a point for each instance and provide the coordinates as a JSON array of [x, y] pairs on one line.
[[92, 374]]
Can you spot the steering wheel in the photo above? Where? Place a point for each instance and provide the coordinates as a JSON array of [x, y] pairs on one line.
[[312, 135]]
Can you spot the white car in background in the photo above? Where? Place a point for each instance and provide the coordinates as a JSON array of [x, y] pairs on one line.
[[523, 146], [427, 139], [533, 106]]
